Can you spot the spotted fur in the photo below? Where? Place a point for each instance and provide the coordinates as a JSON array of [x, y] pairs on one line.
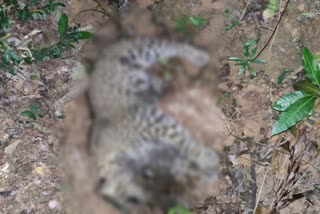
[[143, 154]]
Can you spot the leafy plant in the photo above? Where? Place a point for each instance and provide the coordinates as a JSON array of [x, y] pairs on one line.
[[272, 9], [31, 10], [249, 51], [196, 21], [179, 210], [68, 37], [233, 23], [297, 105], [12, 11], [273, 6], [32, 112]]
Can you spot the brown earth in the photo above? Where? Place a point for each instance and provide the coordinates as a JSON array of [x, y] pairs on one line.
[[258, 173]]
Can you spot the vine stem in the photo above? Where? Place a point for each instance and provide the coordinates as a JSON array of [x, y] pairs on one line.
[[274, 30]]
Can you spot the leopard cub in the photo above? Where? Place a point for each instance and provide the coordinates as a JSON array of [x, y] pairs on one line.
[[143, 154]]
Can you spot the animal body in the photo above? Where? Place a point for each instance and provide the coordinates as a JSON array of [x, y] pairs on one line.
[[143, 155]]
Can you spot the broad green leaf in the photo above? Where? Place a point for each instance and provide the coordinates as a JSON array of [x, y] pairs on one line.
[[307, 86], [63, 24], [311, 66], [286, 100], [294, 113], [29, 114], [84, 35]]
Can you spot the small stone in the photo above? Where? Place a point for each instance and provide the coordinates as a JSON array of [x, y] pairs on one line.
[[12, 146], [53, 204]]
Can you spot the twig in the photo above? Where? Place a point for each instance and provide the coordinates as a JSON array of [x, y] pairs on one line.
[[261, 188], [273, 148], [106, 12], [274, 31]]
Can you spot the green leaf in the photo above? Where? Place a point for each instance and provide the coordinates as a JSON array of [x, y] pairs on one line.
[[310, 66], [253, 52], [198, 21], [34, 77], [307, 86], [242, 70], [29, 114], [232, 25], [286, 100], [274, 6], [34, 108], [236, 59], [245, 63], [62, 116], [246, 51], [229, 26], [317, 57], [294, 113], [259, 61], [228, 13], [252, 71], [179, 210], [180, 25], [63, 24], [247, 46], [283, 75], [14, 57], [223, 98], [85, 35], [251, 43]]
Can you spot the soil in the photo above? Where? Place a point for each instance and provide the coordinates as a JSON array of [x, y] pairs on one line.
[[231, 113]]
